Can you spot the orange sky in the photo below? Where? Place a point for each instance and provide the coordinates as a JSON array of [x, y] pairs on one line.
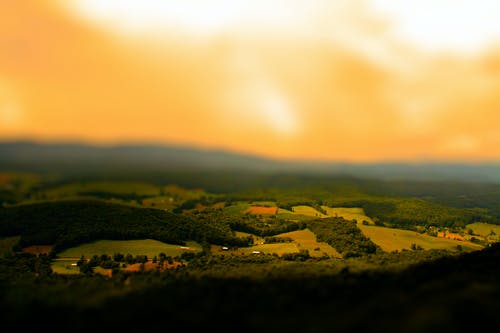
[[339, 80]]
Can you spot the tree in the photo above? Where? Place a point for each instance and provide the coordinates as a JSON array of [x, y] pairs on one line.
[[118, 257]]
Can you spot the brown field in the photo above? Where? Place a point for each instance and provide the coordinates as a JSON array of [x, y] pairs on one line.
[[450, 235], [38, 249], [5, 178], [150, 266], [261, 210]]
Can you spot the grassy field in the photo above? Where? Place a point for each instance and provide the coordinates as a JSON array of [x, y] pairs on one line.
[[7, 243], [357, 214], [306, 240], [299, 213], [390, 239], [256, 239], [65, 267], [278, 248], [237, 208], [308, 211], [147, 247], [485, 230], [163, 202]]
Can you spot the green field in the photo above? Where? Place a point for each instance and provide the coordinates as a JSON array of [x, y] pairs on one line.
[[6, 244], [306, 240], [349, 214], [491, 231], [147, 247], [390, 239]]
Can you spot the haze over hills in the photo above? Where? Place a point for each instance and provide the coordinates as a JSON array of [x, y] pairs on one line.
[[77, 158]]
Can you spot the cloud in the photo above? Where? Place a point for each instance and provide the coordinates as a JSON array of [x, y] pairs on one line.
[[349, 91]]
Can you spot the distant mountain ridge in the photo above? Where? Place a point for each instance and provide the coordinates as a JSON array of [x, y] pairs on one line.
[[76, 158]]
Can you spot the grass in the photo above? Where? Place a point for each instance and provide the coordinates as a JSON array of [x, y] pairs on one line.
[[7, 243], [306, 240], [349, 214], [390, 239], [147, 247]]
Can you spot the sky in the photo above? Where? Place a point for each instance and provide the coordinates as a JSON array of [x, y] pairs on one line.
[[345, 80]]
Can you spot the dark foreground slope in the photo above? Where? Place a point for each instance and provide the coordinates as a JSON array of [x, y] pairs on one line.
[[451, 294]]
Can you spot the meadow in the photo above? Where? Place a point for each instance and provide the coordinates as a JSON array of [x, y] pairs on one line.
[[390, 239], [351, 213], [491, 231], [147, 247], [306, 240], [7, 243]]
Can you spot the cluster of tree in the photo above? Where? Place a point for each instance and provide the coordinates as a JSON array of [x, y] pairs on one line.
[[316, 204], [343, 235], [193, 203], [19, 265], [68, 223], [114, 195], [273, 240], [265, 227], [302, 255], [221, 222], [105, 261]]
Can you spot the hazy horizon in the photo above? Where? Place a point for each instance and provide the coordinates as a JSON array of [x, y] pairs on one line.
[[215, 149], [365, 81]]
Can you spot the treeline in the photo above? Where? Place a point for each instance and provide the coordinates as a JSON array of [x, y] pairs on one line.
[[274, 240], [68, 223], [343, 235], [265, 228], [410, 212], [226, 223], [314, 204]]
